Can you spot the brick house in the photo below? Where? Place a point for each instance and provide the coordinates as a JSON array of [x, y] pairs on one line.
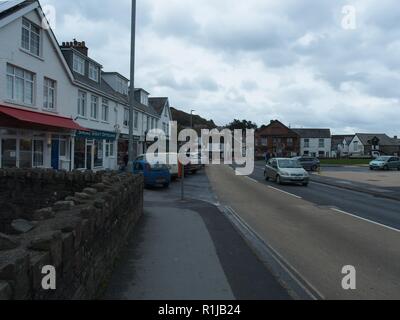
[[278, 140]]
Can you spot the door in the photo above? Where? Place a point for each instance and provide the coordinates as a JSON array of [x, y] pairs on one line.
[[8, 153], [55, 154]]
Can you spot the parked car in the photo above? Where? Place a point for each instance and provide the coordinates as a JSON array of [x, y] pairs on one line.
[[385, 163], [155, 174], [282, 170], [171, 163], [309, 163]]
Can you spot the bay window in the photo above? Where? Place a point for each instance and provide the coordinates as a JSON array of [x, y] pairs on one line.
[[49, 94], [20, 85]]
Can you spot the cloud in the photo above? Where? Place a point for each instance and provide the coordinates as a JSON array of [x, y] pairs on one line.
[[255, 59]]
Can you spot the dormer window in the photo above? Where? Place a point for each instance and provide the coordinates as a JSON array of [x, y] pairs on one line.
[[79, 64], [122, 86], [93, 72], [144, 99], [30, 37]]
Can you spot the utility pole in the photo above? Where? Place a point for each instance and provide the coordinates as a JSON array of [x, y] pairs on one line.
[[132, 86]]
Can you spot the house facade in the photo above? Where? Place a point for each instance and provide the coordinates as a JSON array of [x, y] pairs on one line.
[[315, 142], [278, 140], [58, 109], [364, 144], [341, 145]]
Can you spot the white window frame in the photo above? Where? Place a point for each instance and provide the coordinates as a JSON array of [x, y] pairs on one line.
[[78, 64], [94, 107], [13, 76], [47, 91], [93, 72], [30, 27], [82, 103], [105, 110]]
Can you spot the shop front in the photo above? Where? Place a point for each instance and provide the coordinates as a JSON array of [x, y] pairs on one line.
[[95, 150], [123, 149], [34, 140]]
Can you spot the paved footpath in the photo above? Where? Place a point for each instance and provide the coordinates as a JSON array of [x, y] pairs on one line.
[[185, 250]]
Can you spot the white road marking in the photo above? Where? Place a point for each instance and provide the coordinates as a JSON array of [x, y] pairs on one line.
[[251, 179], [364, 219], [290, 194]]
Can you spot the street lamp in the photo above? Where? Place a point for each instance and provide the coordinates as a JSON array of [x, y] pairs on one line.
[[191, 118], [132, 87]]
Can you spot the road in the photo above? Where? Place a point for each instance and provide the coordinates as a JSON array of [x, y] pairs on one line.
[[383, 211], [318, 230]]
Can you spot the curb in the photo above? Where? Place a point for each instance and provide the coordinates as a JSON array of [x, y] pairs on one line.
[[361, 190]]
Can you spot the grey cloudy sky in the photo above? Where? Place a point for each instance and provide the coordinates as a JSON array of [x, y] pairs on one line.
[[256, 59]]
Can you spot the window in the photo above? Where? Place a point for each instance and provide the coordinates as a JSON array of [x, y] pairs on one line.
[[98, 153], [105, 110], [82, 104], [80, 153], [93, 72], [306, 143], [126, 117], [79, 64], [49, 94], [20, 85], [144, 99], [64, 147], [38, 151], [290, 142], [110, 148], [122, 86], [321, 143], [94, 107], [25, 153], [264, 141], [136, 120], [30, 37]]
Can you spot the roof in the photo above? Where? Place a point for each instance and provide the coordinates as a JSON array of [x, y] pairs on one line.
[[10, 6], [40, 118], [384, 139], [158, 104], [313, 133], [115, 74]]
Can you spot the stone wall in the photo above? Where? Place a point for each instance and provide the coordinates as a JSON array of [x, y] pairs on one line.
[[77, 222]]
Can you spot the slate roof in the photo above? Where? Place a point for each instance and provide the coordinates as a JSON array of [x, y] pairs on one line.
[[158, 104], [11, 6], [384, 139], [313, 133]]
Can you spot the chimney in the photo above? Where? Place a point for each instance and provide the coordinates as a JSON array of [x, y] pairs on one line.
[[80, 46]]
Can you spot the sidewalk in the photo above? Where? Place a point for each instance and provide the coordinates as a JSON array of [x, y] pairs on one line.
[[188, 250]]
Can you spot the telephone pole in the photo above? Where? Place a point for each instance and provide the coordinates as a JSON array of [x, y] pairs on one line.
[[132, 87]]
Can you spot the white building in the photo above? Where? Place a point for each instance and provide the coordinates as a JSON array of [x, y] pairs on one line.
[[58, 109], [315, 142]]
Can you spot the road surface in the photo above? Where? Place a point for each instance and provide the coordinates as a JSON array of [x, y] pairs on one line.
[[318, 230]]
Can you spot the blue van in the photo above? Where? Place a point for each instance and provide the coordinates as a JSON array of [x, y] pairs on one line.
[[154, 174]]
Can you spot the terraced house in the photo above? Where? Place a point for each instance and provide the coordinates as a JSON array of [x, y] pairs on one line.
[[58, 109]]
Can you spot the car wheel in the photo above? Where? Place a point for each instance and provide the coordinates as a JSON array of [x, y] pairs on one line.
[[386, 168], [266, 176], [278, 180], [314, 168]]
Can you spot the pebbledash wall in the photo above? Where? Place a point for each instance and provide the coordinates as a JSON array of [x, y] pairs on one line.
[[74, 221]]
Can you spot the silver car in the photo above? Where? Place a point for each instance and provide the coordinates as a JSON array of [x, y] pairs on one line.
[[284, 170]]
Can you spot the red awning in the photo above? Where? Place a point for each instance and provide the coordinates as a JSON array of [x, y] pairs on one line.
[[41, 118]]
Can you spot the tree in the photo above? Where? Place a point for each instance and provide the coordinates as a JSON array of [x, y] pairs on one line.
[[242, 125]]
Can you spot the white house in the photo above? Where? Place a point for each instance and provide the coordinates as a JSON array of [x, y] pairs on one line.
[[315, 142], [58, 109]]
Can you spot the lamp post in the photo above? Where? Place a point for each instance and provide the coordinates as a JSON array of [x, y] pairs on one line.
[[132, 87], [191, 118]]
